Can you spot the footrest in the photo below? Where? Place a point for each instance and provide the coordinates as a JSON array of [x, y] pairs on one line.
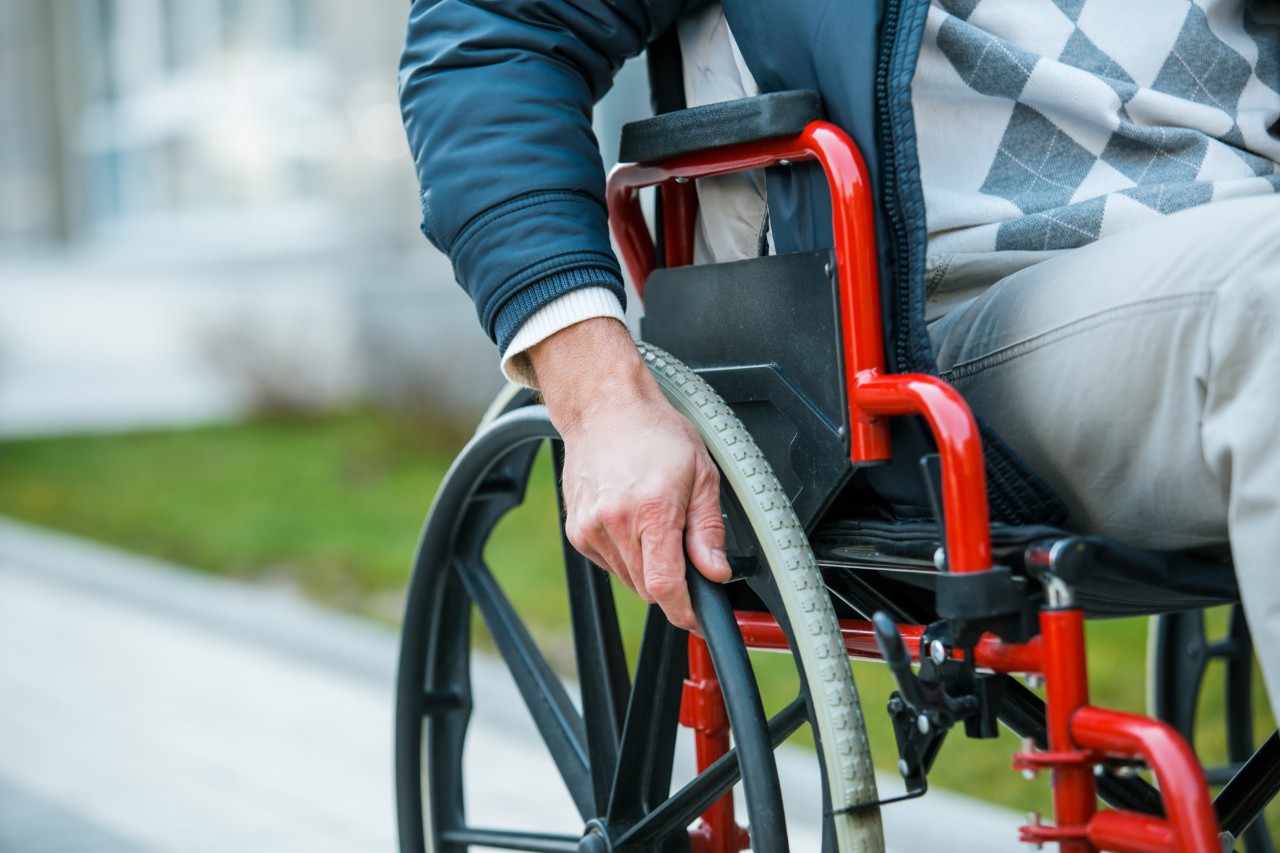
[[714, 125]]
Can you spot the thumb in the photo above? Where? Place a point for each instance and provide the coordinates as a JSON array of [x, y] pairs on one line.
[[704, 528]]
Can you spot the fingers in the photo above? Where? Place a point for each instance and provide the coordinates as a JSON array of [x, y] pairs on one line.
[[646, 549], [664, 567], [592, 540], [704, 527], [643, 546], [607, 560]]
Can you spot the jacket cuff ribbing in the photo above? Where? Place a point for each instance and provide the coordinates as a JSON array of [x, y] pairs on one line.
[[526, 301]]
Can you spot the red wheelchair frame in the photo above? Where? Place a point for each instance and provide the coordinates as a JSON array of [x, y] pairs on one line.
[[1080, 736]]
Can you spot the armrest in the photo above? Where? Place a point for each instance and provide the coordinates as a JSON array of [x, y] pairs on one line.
[[714, 125]]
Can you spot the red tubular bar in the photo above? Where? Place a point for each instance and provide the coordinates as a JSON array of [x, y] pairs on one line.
[[853, 223], [872, 394], [998, 656], [1066, 682], [702, 709], [1131, 833], [853, 227], [761, 631], [1189, 814], [679, 218], [964, 476]]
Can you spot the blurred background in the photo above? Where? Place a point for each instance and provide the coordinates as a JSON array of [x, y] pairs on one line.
[[209, 207], [232, 375]]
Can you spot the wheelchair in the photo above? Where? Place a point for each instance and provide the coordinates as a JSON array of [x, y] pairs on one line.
[[779, 362]]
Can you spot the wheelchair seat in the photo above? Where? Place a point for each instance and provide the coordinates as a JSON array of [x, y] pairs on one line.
[[1111, 579]]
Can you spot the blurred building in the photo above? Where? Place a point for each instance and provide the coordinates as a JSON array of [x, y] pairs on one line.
[[199, 121], [229, 178]]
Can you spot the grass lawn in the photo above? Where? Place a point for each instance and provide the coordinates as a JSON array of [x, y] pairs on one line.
[[334, 504], [331, 504]]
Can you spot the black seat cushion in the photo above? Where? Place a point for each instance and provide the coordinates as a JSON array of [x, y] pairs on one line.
[[1111, 579]]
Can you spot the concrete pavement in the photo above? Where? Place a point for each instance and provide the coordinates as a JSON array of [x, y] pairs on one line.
[[147, 709], [159, 726]]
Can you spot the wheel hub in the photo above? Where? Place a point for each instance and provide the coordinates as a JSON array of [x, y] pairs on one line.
[[595, 840]]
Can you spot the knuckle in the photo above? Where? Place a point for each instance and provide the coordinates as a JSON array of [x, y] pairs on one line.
[[712, 525], [664, 587], [578, 534], [655, 512], [612, 513]]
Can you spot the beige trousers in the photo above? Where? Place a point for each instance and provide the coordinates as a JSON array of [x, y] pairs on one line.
[[1140, 376]]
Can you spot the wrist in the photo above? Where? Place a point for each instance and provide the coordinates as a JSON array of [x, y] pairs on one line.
[[589, 369]]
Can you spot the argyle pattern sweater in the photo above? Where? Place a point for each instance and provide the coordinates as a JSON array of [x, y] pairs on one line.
[[1046, 124]]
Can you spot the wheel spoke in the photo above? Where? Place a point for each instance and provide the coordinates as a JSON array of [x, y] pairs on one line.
[[602, 669], [553, 713], [1246, 795], [1238, 651], [533, 842], [1239, 700], [433, 704], [601, 659], [450, 676], [709, 785], [653, 712]]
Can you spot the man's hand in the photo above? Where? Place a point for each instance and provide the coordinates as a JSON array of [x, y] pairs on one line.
[[639, 486]]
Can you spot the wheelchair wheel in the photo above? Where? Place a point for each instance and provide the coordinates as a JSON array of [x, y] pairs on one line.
[[612, 746], [1181, 652]]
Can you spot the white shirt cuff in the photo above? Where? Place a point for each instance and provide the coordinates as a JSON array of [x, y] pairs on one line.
[[560, 313]]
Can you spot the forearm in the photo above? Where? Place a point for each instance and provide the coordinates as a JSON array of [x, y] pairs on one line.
[[497, 98]]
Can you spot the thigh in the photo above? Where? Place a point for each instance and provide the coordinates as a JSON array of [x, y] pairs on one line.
[[1096, 365]]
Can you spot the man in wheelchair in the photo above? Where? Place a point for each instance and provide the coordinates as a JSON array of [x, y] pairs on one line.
[[1076, 223]]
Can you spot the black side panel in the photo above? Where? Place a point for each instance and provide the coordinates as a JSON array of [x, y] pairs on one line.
[[765, 333], [727, 123]]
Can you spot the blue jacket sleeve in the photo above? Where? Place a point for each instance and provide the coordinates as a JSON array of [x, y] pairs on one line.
[[496, 97]]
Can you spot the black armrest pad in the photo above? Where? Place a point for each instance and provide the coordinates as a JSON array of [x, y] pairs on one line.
[[711, 126]]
